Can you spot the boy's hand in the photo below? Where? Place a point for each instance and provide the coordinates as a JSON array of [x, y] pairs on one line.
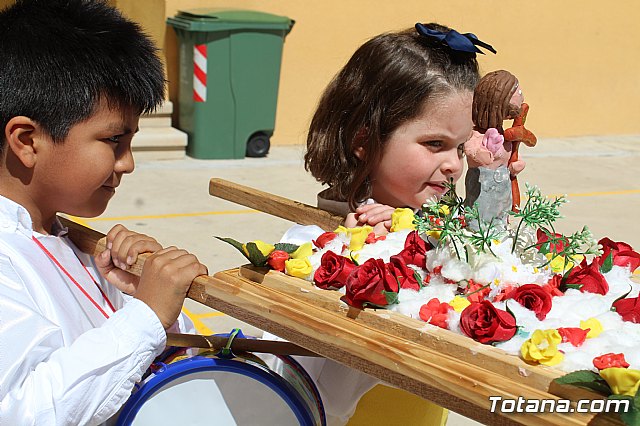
[[123, 248], [165, 281], [376, 215]]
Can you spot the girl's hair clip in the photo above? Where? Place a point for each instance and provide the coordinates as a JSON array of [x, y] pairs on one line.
[[462, 42]]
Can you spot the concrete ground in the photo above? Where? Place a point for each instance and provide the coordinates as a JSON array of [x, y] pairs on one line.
[[169, 200]]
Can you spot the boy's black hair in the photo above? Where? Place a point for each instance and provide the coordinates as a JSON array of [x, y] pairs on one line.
[[59, 58]]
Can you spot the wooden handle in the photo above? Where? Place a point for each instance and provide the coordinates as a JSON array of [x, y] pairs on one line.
[[237, 345], [93, 243], [275, 205]]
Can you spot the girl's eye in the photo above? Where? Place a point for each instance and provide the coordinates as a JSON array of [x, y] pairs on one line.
[[114, 139], [433, 144]]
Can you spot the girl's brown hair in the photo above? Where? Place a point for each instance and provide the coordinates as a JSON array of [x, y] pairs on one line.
[[386, 82]]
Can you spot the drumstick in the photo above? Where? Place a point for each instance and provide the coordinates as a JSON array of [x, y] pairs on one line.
[[237, 345], [275, 205], [93, 243]]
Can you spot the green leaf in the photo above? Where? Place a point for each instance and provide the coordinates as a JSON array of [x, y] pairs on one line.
[[255, 255], [585, 379], [392, 297], [236, 244], [631, 417], [355, 262], [608, 264], [289, 248], [418, 278], [522, 333]]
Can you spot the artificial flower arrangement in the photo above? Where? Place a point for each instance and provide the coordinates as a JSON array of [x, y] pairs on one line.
[[556, 300]]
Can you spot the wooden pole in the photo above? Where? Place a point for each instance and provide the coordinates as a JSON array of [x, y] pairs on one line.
[[275, 205]]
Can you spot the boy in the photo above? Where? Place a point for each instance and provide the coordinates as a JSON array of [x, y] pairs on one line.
[[74, 78]]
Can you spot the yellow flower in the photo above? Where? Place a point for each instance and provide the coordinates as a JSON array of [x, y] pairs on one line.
[[434, 234], [265, 248], [305, 250], [300, 268], [542, 348], [594, 325], [459, 303], [402, 219], [560, 264], [444, 209], [622, 381], [358, 235]]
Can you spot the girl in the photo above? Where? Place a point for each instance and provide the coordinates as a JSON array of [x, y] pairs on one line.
[[390, 128], [389, 132]]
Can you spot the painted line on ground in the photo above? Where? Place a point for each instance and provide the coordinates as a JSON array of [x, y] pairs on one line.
[[201, 328], [84, 221], [162, 216]]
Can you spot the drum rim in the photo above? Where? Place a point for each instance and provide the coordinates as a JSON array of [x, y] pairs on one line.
[[196, 364]]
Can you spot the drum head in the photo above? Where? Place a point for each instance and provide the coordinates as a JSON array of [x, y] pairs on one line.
[[210, 391]]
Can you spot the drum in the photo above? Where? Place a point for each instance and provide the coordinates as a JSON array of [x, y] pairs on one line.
[[213, 391]]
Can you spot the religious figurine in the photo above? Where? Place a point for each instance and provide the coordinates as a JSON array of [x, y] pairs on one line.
[[492, 152]]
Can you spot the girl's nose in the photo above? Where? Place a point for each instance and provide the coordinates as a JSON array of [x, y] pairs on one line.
[[452, 164]]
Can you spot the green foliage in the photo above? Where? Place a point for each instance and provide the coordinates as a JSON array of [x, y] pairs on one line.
[[286, 247], [254, 255], [586, 379]]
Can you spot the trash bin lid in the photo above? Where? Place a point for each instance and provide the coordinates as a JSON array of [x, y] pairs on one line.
[[212, 19]]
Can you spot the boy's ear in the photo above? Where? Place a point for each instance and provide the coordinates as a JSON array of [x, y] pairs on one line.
[[21, 135]]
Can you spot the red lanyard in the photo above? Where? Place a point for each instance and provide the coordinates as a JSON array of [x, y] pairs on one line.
[[104, 296]]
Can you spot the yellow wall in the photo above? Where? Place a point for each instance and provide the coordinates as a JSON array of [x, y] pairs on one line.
[[577, 60]]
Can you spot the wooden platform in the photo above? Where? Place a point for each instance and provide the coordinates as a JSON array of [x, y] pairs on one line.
[[436, 364]]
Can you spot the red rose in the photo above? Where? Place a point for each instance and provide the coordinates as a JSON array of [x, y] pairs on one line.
[[404, 275], [324, 239], [476, 292], [553, 286], [610, 360], [550, 243], [368, 283], [574, 335], [628, 309], [589, 278], [622, 253], [333, 271], [277, 258], [436, 313], [415, 249], [485, 323], [534, 298]]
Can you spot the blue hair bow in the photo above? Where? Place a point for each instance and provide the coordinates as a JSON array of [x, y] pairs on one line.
[[462, 42]]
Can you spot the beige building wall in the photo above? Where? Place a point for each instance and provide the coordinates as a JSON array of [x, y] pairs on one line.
[[577, 60]]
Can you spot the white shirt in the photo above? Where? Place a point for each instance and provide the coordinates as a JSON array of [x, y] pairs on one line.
[[61, 361]]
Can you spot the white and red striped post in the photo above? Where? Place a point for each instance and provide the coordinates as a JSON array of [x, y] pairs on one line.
[[200, 73]]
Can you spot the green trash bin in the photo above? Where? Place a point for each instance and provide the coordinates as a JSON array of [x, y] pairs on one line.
[[229, 75]]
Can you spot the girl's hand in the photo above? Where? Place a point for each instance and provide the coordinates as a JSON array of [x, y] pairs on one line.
[[165, 281], [376, 215], [123, 248]]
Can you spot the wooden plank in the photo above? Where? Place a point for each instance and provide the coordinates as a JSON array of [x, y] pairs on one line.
[[285, 208]]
